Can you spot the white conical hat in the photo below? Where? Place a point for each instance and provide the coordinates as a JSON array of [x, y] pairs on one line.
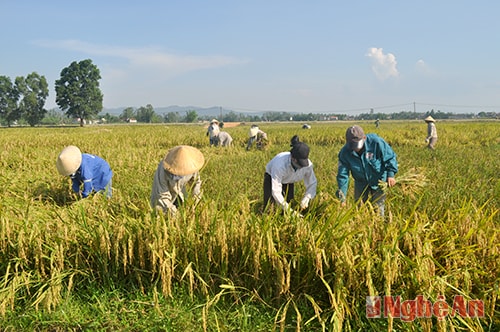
[[183, 160], [429, 119], [69, 160]]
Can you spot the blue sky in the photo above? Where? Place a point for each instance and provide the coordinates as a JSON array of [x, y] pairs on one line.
[[275, 55]]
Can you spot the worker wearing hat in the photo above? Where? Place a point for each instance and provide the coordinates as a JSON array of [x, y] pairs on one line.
[[213, 132], [257, 136], [180, 167], [369, 159], [285, 169], [432, 135], [91, 171]]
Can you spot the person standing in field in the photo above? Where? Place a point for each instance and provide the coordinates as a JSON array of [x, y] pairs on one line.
[[213, 132], [224, 139], [91, 171], [432, 135], [179, 168], [285, 169], [369, 159], [256, 136]]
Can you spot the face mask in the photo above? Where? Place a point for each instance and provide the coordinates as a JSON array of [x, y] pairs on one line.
[[360, 145]]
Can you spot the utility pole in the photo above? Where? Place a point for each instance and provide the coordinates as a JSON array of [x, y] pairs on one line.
[[220, 107]]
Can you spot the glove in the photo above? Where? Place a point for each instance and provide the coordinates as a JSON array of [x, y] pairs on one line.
[[304, 203]]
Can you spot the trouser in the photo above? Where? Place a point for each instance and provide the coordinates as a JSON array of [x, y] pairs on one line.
[[251, 140], [363, 193], [432, 143], [214, 140], [287, 190]]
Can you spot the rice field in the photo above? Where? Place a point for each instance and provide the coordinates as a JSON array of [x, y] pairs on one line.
[[223, 265]]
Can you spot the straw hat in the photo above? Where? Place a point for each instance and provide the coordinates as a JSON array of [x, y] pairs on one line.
[[254, 130], [69, 160], [214, 121], [429, 119], [183, 160]]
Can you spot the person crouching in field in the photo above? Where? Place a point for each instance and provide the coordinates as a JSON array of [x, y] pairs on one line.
[[224, 139], [179, 168], [369, 159], [284, 170], [92, 171], [213, 131], [256, 136], [432, 135]]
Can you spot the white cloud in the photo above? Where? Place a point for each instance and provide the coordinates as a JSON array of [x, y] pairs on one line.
[[383, 65], [145, 58], [422, 67]]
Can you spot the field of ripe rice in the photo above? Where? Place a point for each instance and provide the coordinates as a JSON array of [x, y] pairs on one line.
[[223, 265]]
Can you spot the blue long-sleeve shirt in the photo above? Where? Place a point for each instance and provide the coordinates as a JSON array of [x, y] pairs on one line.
[[376, 162], [94, 172]]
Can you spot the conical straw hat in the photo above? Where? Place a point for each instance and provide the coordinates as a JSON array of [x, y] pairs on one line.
[[429, 119], [183, 160], [69, 160]]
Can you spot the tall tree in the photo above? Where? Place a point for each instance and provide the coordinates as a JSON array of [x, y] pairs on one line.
[[8, 100], [33, 91], [78, 92], [191, 116], [127, 113], [145, 113], [172, 117]]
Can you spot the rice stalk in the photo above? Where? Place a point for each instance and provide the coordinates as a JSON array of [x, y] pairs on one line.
[[411, 181]]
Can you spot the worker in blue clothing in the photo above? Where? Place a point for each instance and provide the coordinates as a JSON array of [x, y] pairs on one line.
[[91, 171], [369, 159]]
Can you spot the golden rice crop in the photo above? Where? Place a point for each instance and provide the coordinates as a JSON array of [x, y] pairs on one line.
[[312, 273]]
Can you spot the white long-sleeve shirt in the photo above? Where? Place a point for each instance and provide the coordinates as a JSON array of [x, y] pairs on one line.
[[431, 130], [168, 187], [281, 171], [213, 130]]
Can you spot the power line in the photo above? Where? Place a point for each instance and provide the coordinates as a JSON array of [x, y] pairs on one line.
[[412, 105]]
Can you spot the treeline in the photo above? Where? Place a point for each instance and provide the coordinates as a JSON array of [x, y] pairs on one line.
[[147, 114], [79, 99]]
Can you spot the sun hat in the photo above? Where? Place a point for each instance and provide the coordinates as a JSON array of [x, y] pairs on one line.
[[254, 130], [214, 121], [429, 119], [353, 136], [69, 160], [300, 151], [183, 160]]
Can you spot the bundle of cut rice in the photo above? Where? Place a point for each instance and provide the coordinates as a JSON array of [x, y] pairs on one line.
[[412, 180]]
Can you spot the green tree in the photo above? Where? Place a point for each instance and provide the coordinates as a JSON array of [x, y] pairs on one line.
[[145, 113], [172, 117], [8, 100], [191, 116], [127, 113], [33, 91], [78, 92]]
